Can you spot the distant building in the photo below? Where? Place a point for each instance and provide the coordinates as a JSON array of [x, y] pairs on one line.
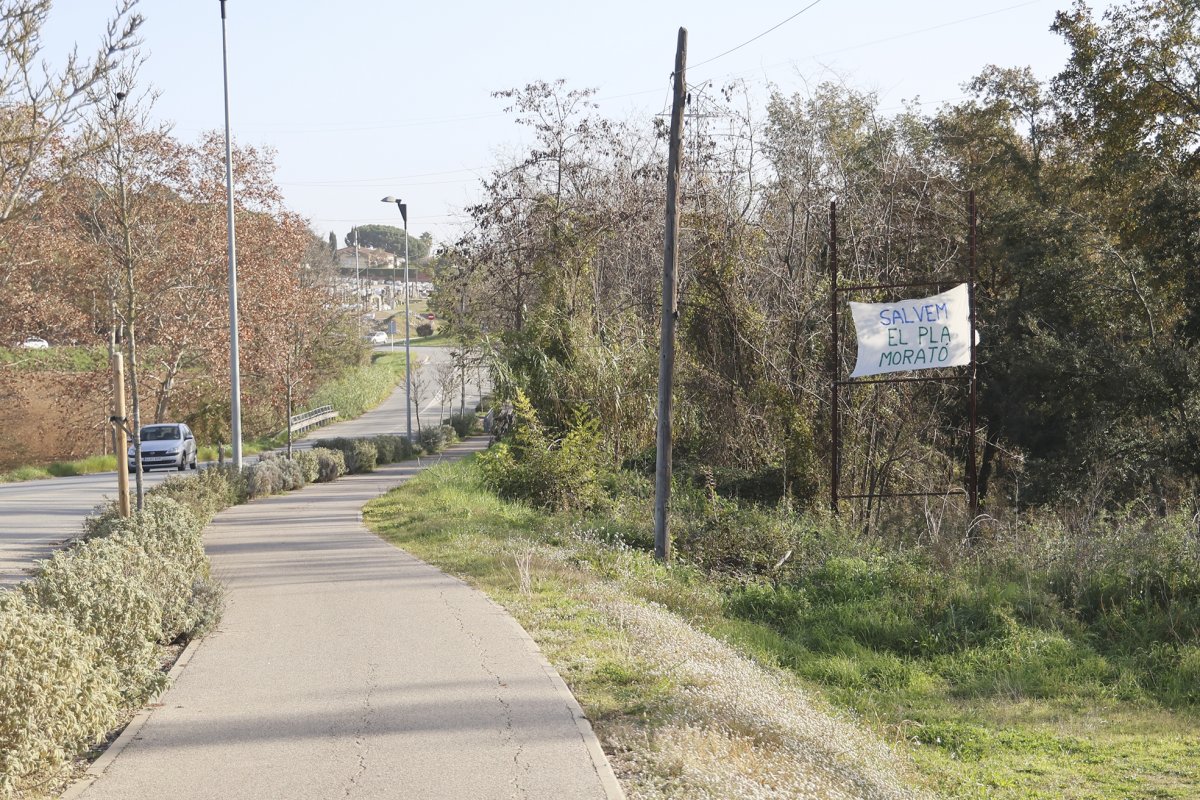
[[374, 258], [367, 257]]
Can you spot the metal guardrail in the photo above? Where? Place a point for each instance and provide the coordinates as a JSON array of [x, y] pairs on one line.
[[311, 419]]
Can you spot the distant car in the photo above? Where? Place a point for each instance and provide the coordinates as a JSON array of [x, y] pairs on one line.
[[379, 337], [35, 343], [166, 445], [431, 316]]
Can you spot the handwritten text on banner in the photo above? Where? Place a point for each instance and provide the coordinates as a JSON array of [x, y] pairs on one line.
[[907, 335]]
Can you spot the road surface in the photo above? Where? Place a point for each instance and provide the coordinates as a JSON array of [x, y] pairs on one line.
[[37, 517]]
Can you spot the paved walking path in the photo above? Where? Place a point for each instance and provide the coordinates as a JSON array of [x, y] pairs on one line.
[[345, 668]]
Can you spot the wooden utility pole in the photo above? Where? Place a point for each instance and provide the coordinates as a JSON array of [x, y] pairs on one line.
[[119, 426], [670, 310], [835, 438]]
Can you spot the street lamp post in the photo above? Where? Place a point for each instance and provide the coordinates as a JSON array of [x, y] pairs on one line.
[[235, 389], [358, 292], [400, 204]]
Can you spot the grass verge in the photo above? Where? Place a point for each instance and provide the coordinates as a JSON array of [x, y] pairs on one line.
[[679, 713], [61, 469], [980, 687], [360, 389], [437, 340]]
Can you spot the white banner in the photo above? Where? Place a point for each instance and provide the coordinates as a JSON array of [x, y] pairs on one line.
[[907, 335]]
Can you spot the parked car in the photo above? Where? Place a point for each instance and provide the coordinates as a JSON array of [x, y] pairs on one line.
[[35, 343], [166, 445], [379, 337]]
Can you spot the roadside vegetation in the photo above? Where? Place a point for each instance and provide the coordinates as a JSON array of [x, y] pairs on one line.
[[1043, 660], [1044, 644], [359, 389], [86, 641], [352, 393]]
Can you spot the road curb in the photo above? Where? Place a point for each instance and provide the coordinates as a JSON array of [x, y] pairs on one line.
[[130, 733]]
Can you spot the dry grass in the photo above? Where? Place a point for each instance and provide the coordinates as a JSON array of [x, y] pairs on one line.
[[679, 713], [734, 728]]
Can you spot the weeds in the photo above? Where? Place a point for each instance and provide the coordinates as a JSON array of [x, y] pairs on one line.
[[1038, 659]]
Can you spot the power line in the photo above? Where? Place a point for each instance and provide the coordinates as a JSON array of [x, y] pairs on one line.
[[756, 38], [474, 173], [905, 35]]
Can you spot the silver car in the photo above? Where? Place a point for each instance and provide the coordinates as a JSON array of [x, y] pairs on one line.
[[166, 445]]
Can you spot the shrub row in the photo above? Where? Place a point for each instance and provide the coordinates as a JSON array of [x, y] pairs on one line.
[[364, 454], [81, 642], [437, 438], [464, 424]]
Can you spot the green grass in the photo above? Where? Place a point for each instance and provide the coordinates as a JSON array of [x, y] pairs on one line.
[[84, 466], [990, 686], [61, 469], [360, 389], [24, 474], [557, 577], [437, 340], [60, 359]]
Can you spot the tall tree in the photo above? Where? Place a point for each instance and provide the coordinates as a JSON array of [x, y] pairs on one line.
[[391, 239]]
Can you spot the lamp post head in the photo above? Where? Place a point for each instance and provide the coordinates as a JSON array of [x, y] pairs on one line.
[[400, 204]]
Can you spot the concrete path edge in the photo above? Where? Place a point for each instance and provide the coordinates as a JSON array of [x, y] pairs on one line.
[[604, 770], [130, 732]]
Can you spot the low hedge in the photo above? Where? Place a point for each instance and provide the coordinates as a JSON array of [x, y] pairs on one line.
[[47, 667], [80, 643], [436, 438], [463, 424], [364, 454]]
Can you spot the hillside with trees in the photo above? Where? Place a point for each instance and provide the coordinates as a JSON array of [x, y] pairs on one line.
[[391, 239], [113, 233], [1048, 646], [1087, 199]]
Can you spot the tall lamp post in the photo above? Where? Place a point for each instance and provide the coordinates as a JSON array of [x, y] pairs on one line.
[[235, 381], [357, 279], [400, 204]]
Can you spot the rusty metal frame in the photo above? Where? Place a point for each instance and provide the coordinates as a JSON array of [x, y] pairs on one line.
[[971, 375]]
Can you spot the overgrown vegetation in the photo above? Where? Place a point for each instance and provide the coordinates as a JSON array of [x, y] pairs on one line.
[[1045, 659], [1086, 187], [528, 466], [1009, 653]]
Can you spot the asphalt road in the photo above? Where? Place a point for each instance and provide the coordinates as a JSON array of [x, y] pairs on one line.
[[37, 517]]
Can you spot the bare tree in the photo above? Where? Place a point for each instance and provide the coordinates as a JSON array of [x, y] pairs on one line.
[[37, 106]]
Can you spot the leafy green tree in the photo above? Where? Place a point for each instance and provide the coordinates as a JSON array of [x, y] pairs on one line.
[[391, 239]]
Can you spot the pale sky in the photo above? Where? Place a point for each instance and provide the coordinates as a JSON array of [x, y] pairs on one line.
[[366, 98]]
